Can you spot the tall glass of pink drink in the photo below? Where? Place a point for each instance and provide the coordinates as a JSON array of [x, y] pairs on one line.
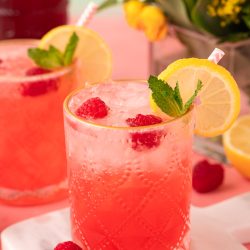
[[32, 148], [129, 185]]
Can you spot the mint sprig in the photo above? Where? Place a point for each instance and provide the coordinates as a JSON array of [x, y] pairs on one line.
[[169, 100], [53, 58]]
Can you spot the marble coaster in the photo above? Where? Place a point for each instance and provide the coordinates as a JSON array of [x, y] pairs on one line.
[[212, 228]]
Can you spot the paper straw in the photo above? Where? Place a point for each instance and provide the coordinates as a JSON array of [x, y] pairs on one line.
[[87, 14], [216, 55]]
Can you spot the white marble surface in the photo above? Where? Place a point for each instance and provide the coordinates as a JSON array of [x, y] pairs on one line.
[[221, 226], [234, 215]]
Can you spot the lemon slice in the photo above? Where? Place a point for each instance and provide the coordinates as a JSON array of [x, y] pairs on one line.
[[219, 99], [92, 53], [237, 145]]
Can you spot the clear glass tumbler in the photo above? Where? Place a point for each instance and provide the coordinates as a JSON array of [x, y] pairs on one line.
[[32, 147], [124, 196]]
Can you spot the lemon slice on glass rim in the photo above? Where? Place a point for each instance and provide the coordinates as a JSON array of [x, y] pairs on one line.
[[92, 53], [219, 98]]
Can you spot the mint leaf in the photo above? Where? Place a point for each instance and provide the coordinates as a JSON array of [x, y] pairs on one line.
[[168, 99], [45, 59], [53, 58], [177, 96], [57, 53], [163, 95], [70, 49], [191, 99]]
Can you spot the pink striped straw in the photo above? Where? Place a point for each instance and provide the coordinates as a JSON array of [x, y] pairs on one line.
[[87, 14], [216, 55]]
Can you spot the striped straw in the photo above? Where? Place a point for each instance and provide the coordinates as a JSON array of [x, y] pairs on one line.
[[87, 14], [216, 55]]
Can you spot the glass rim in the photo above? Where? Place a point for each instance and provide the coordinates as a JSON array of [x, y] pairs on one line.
[[69, 114], [29, 79]]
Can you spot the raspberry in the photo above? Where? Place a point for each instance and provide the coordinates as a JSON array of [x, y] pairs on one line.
[[39, 87], [207, 176], [93, 108], [36, 71], [143, 120], [144, 140], [67, 245]]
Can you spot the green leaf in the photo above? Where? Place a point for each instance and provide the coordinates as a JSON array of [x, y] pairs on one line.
[[189, 5], [70, 49], [47, 59], [176, 11], [191, 99], [246, 19], [53, 58], [168, 99], [177, 96], [163, 95], [57, 53]]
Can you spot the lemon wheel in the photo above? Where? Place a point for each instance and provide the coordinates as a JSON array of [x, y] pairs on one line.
[[92, 53], [219, 99]]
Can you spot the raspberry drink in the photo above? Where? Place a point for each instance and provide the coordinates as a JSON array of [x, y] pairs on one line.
[[31, 18], [129, 170], [32, 154]]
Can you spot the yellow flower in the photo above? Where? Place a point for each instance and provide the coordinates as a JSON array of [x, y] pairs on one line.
[[227, 10], [153, 22], [132, 9], [148, 18]]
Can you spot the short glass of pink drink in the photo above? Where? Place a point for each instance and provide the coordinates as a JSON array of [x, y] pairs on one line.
[[129, 170], [32, 148]]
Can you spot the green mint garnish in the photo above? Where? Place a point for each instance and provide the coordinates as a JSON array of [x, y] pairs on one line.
[[70, 49], [53, 58], [168, 99]]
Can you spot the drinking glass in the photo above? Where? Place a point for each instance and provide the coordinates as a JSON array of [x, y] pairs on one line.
[[32, 148], [123, 194]]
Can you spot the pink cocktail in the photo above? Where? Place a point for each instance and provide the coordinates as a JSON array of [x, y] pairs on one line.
[[129, 185], [32, 151]]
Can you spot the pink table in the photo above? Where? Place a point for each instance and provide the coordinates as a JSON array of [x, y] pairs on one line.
[[131, 60]]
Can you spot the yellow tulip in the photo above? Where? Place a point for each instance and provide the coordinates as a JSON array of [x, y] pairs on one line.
[[132, 9], [153, 22]]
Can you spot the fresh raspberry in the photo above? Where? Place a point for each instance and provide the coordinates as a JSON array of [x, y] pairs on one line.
[[144, 140], [207, 176], [143, 120], [67, 245], [93, 108], [39, 87], [36, 71]]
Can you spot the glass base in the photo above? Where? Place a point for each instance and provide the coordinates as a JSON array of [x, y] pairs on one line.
[[44, 195]]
